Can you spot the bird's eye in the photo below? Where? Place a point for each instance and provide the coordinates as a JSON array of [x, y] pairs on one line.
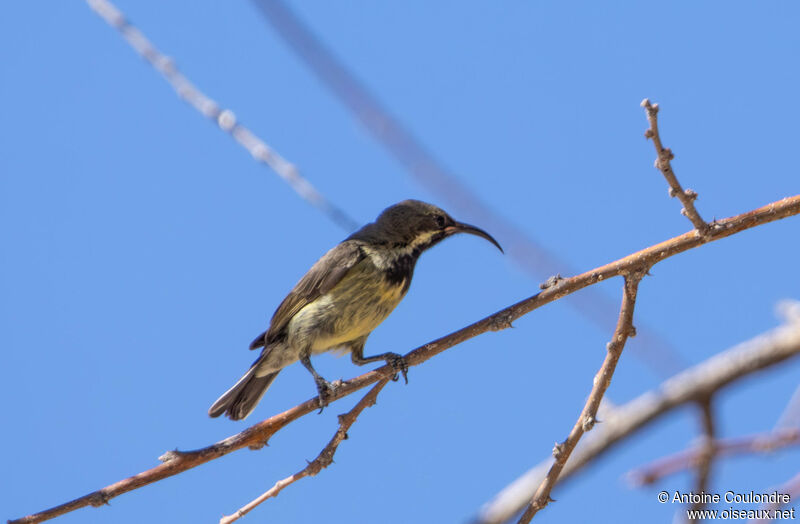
[[440, 221]]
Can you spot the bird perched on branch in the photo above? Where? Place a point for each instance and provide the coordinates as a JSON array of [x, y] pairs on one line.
[[342, 298]]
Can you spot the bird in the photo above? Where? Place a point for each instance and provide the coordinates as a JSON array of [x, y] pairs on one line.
[[343, 297]]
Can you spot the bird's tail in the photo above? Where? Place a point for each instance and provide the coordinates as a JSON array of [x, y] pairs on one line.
[[241, 399]]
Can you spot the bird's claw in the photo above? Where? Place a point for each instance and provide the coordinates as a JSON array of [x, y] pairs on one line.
[[325, 390], [399, 364]]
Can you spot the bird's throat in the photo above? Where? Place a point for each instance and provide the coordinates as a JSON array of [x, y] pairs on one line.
[[396, 265]]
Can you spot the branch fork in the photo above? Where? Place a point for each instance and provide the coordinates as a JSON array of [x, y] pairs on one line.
[[323, 460], [632, 267]]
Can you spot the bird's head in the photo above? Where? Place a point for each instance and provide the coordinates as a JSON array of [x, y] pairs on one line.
[[416, 226]]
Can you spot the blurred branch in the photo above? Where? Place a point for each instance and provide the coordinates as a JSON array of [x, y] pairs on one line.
[[689, 458], [176, 461], [431, 172], [323, 460], [692, 385], [224, 118], [706, 450], [791, 488], [664, 164], [602, 380], [790, 418]]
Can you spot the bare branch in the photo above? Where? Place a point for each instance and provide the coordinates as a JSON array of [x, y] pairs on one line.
[[175, 462], [664, 164], [686, 459], [691, 385], [790, 417], [791, 413], [602, 380], [323, 460], [225, 119]]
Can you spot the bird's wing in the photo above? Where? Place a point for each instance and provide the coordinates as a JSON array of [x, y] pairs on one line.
[[320, 279]]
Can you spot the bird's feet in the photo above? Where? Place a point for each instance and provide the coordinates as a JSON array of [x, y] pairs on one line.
[[325, 391], [399, 364]]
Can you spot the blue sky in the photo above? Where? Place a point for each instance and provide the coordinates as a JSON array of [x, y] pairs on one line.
[[144, 249]]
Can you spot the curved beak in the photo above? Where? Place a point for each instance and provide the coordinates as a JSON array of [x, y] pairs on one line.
[[460, 227]]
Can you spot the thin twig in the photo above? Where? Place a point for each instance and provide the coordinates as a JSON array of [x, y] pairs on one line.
[[602, 380], [177, 462], [686, 459], [721, 370], [224, 118], [664, 164], [323, 460]]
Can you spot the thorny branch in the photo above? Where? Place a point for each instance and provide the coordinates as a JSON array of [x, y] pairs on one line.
[[176, 461], [602, 380], [632, 268], [664, 164], [689, 386], [323, 460]]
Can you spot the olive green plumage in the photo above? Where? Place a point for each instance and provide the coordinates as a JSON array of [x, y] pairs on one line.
[[342, 298]]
